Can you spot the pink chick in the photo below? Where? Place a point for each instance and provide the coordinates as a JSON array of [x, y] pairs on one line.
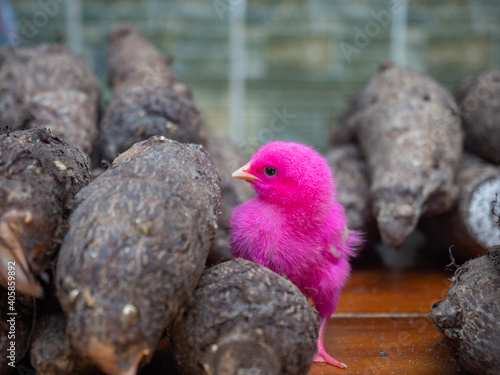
[[295, 226]]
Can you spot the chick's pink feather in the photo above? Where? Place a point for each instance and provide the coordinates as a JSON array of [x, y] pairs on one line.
[[294, 225]]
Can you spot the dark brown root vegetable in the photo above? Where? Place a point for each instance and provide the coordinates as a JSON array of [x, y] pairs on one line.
[[133, 60], [394, 84], [148, 100], [68, 113], [40, 174], [143, 111], [51, 352], [227, 157], [470, 227], [469, 317], [245, 319], [480, 186], [14, 329], [409, 130], [351, 178], [135, 249], [479, 100], [51, 66], [391, 86], [49, 86]]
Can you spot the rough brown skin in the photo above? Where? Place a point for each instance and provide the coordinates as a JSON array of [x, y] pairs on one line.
[[51, 352], [24, 321], [40, 174], [148, 100], [143, 111], [49, 86], [390, 86], [351, 180], [408, 128], [469, 316], [227, 157], [245, 319], [135, 250], [394, 84], [68, 113], [469, 227], [133, 60], [478, 97]]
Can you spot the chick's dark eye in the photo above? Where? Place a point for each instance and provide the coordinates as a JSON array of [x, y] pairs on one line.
[[270, 171]]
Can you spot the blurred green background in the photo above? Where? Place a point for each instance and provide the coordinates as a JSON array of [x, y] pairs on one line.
[[289, 66]]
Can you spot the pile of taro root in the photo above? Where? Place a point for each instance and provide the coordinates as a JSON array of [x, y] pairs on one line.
[[408, 156], [114, 251]]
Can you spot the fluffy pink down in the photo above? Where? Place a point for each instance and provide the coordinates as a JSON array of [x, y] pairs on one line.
[[294, 225]]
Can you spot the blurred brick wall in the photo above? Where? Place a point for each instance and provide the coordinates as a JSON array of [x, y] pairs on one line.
[[301, 67]]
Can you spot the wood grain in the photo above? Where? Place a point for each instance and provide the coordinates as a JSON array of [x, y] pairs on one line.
[[386, 346], [384, 290], [381, 325]]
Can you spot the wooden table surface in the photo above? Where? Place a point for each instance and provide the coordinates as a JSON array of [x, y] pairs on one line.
[[381, 325]]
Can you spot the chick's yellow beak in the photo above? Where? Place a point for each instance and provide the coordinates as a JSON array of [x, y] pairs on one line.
[[243, 173]]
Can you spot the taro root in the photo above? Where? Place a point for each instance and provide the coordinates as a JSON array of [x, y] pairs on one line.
[[391, 86], [408, 128], [148, 100], [133, 60], [40, 174], [51, 352], [14, 328], [394, 84], [470, 227], [479, 100], [227, 158], [143, 111], [135, 249], [49, 86], [469, 317], [51, 65], [245, 319], [351, 179], [68, 113]]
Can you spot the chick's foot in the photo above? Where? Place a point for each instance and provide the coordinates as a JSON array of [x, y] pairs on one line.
[[323, 357]]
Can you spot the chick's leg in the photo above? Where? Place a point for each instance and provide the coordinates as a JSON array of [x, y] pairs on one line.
[[321, 355]]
